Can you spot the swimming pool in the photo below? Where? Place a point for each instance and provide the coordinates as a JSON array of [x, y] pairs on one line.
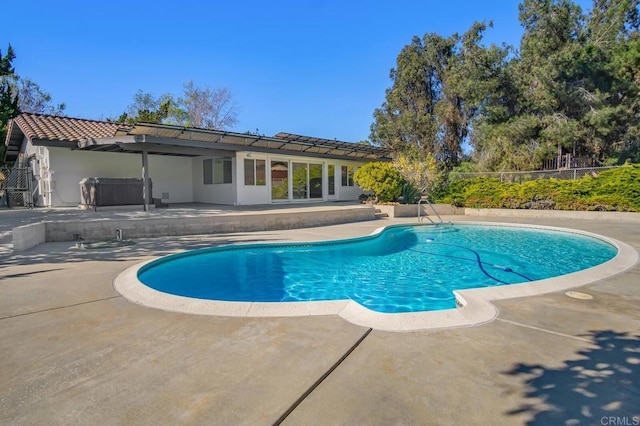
[[401, 269]]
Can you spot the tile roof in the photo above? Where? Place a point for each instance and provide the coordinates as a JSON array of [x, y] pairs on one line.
[[49, 127]]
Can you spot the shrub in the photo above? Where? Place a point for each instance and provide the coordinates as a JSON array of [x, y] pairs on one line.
[[410, 195], [612, 190], [381, 178]]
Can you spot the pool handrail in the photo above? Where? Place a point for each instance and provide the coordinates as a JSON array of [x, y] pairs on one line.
[[426, 200]]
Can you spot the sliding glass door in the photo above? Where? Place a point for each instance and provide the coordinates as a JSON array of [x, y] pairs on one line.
[[300, 181], [279, 180], [306, 181], [315, 181]]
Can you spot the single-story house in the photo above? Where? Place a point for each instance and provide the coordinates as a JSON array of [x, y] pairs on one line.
[[183, 164]]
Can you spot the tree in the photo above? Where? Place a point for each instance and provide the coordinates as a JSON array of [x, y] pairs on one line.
[[471, 79], [439, 86], [32, 99], [8, 101], [612, 20], [6, 67], [573, 88], [147, 108], [406, 121], [20, 95], [200, 107], [611, 126], [206, 108]]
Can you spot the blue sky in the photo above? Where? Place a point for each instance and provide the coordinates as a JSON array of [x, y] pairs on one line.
[[312, 68]]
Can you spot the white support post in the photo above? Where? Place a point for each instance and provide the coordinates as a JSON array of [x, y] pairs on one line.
[[145, 180]]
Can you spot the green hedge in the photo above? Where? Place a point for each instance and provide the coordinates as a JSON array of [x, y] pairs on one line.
[[612, 190]]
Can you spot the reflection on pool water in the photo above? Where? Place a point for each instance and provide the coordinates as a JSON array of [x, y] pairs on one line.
[[402, 269]]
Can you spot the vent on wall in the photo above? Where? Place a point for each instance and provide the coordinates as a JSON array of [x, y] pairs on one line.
[[165, 195]]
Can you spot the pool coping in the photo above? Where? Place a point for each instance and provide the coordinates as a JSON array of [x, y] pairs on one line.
[[474, 305]]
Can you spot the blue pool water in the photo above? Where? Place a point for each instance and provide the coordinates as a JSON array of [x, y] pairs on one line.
[[402, 269]]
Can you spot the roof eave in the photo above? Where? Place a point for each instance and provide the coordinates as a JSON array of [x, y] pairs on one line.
[[13, 141]]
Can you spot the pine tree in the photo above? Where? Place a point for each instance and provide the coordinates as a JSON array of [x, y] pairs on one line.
[[8, 101]]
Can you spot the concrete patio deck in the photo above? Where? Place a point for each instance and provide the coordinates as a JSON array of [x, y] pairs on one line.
[[76, 352]]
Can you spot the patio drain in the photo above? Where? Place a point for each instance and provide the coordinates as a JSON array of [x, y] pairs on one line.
[[579, 295]]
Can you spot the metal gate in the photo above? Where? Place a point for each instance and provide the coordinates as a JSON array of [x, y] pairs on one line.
[[16, 186]]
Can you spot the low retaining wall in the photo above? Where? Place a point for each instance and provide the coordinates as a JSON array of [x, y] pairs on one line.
[[411, 210], [175, 226], [27, 236], [555, 214]]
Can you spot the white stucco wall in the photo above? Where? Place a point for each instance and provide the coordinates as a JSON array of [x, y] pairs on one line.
[[179, 177], [169, 174], [252, 194], [215, 193], [347, 192]]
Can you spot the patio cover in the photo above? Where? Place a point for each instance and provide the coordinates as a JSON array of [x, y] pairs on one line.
[[178, 140]]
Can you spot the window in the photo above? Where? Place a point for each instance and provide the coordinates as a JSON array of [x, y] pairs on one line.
[[347, 175], [207, 172], [222, 171], [261, 172], [255, 172]]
